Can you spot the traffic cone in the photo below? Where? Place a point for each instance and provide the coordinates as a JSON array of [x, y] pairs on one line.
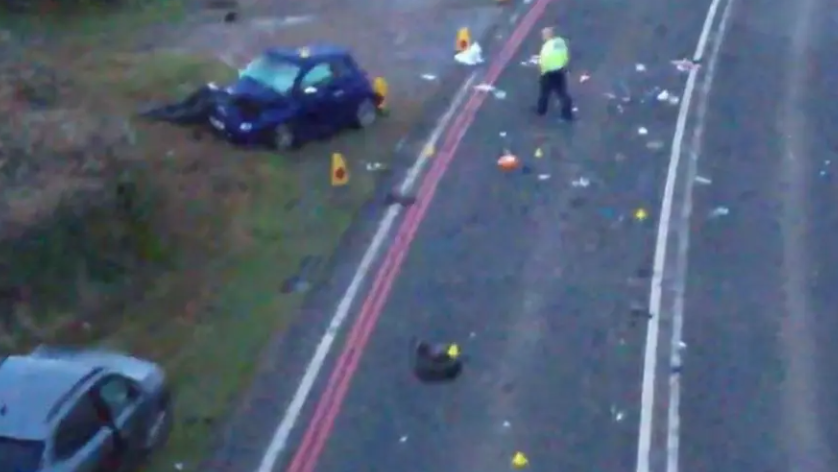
[[463, 39], [340, 173], [381, 89]]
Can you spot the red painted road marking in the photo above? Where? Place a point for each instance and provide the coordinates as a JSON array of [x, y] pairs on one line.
[[328, 407]]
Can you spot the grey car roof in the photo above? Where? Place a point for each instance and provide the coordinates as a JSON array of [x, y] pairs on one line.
[[29, 388]]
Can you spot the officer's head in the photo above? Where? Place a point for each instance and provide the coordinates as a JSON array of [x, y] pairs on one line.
[[547, 33]]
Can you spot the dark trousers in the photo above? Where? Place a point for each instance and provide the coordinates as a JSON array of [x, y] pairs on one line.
[[554, 82]]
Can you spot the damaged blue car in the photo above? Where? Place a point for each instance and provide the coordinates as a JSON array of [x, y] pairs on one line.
[[286, 97]]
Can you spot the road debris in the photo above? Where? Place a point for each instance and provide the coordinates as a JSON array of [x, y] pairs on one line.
[[397, 198], [682, 345], [429, 77], [374, 166], [403, 439], [584, 78], [499, 94], [531, 62], [719, 211], [472, 56], [617, 414], [543, 177], [642, 131], [539, 153], [655, 145], [702, 180], [684, 65], [640, 67], [507, 424], [664, 96], [581, 182], [436, 362], [508, 162]]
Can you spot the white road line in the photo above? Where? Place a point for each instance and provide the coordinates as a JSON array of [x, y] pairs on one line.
[[279, 440], [644, 441], [673, 437]]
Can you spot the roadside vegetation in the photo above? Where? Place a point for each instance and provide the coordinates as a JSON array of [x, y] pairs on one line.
[[152, 239]]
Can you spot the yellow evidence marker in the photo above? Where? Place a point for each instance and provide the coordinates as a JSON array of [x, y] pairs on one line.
[[640, 214], [519, 460], [463, 39], [453, 351], [340, 173]]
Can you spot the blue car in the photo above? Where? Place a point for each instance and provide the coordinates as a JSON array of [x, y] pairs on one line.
[[288, 96]]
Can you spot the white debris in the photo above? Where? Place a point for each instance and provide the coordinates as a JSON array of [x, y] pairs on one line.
[[682, 345], [471, 56], [617, 414], [719, 211], [684, 65], [507, 424], [702, 180], [403, 439], [543, 176], [655, 145], [531, 62], [673, 100], [664, 96], [502, 134], [581, 182], [642, 131], [374, 166], [179, 466], [429, 77], [499, 94], [640, 67]]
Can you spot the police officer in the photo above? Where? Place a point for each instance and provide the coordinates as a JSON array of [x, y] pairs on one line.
[[553, 61]]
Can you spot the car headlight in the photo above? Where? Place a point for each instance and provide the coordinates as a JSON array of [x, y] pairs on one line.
[[245, 127]]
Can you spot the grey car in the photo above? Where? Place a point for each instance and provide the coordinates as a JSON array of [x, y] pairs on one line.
[[67, 410]]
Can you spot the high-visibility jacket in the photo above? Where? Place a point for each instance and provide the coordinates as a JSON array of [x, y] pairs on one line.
[[554, 55]]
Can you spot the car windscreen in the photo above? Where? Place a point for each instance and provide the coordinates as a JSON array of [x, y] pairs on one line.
[[20, 455], [277, 74]]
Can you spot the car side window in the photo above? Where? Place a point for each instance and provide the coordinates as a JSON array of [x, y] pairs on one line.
[[117, 393], [319, 75], [340, 67], [76, 429]]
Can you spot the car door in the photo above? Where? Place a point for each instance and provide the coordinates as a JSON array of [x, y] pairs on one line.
[[123, 399], [319, 99], [81, 441]]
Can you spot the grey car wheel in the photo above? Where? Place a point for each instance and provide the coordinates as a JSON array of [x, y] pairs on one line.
[[283, 137], [366, 114]]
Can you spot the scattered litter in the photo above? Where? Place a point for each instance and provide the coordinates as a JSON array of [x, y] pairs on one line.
[[403, 439], [642, 131], [581, 182], [664, 96], [472, 56], [543, 176], [674, 100], [428, 76], [684, 65], [519, 460], [682, 345], [702, 180], [719, 211], [655, 145], [539, 153], [507, 424], [531, 62], [499, 94], [178, 465], [374, 166], [584, 78], [502, 134], [508, 162], [397, 198], [617, 414], [640, 214], [640, 67]]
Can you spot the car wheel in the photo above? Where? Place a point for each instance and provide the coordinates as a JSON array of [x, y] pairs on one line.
[[283, 137], [158, 431], [366, 114]]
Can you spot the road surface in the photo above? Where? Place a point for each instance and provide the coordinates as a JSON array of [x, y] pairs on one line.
[[542, 275], [759, 382]]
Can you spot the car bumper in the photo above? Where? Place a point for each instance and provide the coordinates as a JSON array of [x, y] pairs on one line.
[[219, 129]]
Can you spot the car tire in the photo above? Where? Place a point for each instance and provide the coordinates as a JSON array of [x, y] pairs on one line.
[[366, 114], [283, 138]]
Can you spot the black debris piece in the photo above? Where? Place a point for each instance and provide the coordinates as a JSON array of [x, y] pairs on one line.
[[432, 364], [192, 110], [396, 198], [231, 17]]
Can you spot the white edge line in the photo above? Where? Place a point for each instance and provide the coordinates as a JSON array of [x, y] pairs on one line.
[[674, 421], [279, 440], [647, 401]]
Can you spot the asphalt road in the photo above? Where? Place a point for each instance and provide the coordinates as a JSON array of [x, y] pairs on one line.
[[536, 278], [759, 377]]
